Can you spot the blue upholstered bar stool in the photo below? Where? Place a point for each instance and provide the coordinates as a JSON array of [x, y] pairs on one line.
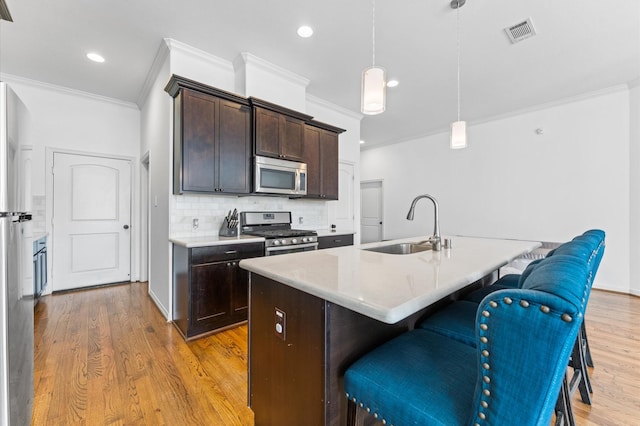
[[457, 319], [594, 242], [594, 239], [425, 378]]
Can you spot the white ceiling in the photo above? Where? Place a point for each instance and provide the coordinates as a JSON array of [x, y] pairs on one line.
[[581, 46]]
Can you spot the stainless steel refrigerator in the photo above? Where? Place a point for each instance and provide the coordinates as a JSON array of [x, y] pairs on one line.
[[16, 298]]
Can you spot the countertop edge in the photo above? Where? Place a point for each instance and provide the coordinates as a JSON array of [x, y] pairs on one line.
[[39, 235], [191, 242], [329, 233]]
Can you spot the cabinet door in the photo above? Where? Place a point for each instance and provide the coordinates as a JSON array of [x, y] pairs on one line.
[[240, 292], [329, 163], [267, 128], [210, 296], [198, 123], [312, 158], [292, 138], [234, 148]]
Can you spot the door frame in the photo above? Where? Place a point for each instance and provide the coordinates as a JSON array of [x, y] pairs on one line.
[[134, 243], [144, 217], [381, 182]]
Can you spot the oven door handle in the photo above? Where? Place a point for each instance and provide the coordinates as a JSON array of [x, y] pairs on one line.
[[292, 247]]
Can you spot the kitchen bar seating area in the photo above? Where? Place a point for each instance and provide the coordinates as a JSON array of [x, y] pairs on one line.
[[502, 363]]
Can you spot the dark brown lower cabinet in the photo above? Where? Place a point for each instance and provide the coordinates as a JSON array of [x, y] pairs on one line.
[[210, 290]]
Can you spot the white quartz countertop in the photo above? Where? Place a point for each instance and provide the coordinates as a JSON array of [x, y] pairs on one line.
[[213, 240], [389, 287], [38, 235]]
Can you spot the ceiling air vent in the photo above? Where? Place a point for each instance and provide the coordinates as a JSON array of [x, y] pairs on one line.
[[520, 31]]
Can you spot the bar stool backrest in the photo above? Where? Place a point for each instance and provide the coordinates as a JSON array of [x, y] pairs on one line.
[[524, 338]]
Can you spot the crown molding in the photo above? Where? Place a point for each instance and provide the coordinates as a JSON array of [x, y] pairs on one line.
[[161, 56], [245, 58], [169, 45], [514, 113], [555, 103], [326, 104], [178, 46], [634, 83], [9, 78]]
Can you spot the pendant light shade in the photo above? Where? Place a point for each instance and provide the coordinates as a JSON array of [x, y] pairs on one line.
[[458, 135], [374, 90], [374, 79]]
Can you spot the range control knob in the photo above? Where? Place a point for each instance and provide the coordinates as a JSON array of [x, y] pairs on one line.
[[283, 242], [276, 242], [306, 239], [294, 241]]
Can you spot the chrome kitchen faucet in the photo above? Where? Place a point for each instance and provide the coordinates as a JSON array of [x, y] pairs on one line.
[[435, 238]]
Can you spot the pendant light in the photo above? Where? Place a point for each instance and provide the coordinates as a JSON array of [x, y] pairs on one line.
[[459, 128], [373, 81]]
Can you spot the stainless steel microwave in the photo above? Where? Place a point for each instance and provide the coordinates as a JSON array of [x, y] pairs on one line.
[[273, 176]]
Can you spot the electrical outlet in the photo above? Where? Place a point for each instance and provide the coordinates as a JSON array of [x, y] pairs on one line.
[[196, 223], [300, 220], [280, 327]]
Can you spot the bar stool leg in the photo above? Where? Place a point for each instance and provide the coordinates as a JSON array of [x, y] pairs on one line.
[[585, 345], [564, 411], [353, 419], [580, 377]]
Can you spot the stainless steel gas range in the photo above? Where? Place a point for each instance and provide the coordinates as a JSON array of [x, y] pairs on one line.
[[275, 227]]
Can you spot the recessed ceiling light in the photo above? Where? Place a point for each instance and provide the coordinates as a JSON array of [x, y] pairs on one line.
[[95, 57], [361, 142], [305, 31], [392, 83]]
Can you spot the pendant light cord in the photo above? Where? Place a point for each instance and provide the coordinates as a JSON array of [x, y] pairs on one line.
[[458, 50], [373, 33]]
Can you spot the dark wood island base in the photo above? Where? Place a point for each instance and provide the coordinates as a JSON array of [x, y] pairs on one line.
[[295, 376]]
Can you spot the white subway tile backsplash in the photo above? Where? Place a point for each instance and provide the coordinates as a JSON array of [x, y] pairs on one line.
[[38, 214], [211, 210]]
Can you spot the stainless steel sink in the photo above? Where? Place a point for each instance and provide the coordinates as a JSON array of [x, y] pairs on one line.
[[401, 248]]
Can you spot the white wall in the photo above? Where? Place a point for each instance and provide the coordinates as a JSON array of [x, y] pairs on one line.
[[269, 82], [69, 120], [514, 183], [156, 139], [634, 166]]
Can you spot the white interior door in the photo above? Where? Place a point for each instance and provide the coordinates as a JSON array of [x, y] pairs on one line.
[[371, 211], [91, 221], [341, 212]]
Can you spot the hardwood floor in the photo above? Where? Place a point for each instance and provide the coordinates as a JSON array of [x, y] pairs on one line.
[[107, 357]]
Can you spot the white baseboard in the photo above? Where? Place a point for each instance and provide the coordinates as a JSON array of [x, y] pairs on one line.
[[160, 306]]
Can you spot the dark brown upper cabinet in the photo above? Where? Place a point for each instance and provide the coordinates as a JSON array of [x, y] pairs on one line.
[[278, 131], [321, 156], [212, 139]]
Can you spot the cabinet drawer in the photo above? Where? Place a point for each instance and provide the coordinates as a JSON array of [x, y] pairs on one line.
[[226, 252], [335, 241]]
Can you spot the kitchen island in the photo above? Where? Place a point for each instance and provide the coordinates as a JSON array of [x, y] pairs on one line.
[[314, 313]]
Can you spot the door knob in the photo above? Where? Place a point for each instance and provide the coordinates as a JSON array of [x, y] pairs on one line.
[[126, 227]]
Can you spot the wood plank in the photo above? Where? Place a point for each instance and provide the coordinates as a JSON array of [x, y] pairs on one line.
[[107, 356]]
